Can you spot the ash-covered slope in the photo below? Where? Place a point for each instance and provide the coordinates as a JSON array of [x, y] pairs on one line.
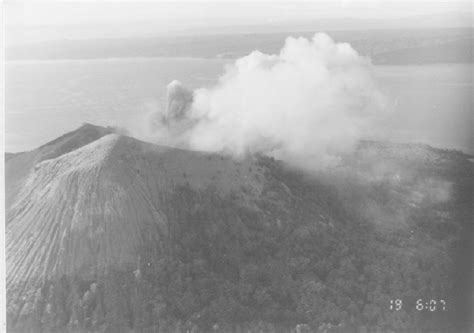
[[82, 208], [91, 208], [108, 233], [18, 165]]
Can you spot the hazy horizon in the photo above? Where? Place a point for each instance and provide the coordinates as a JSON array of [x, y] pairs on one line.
[[34, 21]]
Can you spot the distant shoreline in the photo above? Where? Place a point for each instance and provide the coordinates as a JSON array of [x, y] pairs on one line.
[[145, 58], [222, 59], [383, 47]]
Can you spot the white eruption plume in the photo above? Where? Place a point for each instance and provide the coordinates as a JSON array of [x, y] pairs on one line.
[[306, 105]]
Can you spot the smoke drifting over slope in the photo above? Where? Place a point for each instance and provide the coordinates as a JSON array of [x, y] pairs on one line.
[[305, 105]]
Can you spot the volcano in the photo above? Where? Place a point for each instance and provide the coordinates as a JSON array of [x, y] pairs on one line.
[[108, 233]]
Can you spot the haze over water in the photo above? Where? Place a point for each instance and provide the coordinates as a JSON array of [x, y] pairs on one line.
[[44, 99]]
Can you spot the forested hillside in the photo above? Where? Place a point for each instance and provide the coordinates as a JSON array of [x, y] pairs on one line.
[[166, 240]]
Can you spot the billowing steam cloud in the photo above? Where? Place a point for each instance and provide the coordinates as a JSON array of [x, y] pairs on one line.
[[305, 105]]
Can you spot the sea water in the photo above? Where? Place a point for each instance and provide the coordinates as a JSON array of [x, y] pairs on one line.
[[44, 99]]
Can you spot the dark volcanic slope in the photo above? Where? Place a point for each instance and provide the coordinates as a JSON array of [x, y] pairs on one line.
[[108, 233]]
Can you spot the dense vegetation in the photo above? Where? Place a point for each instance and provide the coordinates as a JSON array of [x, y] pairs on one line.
[[304, 253], [302, 256]]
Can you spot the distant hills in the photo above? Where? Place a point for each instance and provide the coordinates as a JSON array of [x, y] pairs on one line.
[[408, 46], [106, 233], [17, 34]]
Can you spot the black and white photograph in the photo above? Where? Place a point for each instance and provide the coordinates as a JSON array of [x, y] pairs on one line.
[[237, 166]]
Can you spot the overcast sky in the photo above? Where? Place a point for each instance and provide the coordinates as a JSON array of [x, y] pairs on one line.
[[31, 12]]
